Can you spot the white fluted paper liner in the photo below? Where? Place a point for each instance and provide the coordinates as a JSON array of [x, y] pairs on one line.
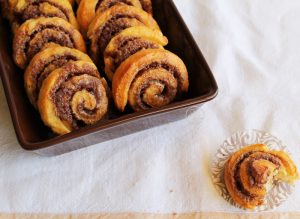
[[281, 190]]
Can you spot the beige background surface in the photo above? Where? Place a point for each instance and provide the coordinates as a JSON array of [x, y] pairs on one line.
[[207, 215]]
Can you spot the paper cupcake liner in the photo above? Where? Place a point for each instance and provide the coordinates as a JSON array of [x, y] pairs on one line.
[[280, 192]]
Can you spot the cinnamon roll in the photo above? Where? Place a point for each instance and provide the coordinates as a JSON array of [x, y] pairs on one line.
[[88, 8], [29, 9], [36, 34], [73, 96], [46, 61], [127, 43], [149, 78], [251, 172], [111, 22]]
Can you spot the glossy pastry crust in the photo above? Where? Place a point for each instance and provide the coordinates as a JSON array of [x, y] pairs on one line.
[[108, 24], [36, 34], [127, 43], [29, 9], [150, 78], [73, 96], [250, 172], [44, 63]]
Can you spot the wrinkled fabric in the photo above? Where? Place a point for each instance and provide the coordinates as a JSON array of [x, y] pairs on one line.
[[252, 47]]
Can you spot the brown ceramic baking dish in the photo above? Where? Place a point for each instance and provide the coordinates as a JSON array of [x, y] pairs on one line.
[[34, 136]]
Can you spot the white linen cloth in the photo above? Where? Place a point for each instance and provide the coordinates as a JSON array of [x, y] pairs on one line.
[[252, 47]]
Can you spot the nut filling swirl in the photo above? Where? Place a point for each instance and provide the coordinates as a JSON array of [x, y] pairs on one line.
[[251, 172], [37, 34], [129, 42], [29, 9], [103, 5], [88, 9], [129, 47], [108, 24], [73, 96], [150, 78], [44, 63]]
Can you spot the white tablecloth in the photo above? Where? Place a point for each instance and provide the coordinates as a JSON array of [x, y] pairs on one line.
[[252, 47]]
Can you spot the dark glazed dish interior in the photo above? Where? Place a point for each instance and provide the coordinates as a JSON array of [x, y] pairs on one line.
[[34, 135]]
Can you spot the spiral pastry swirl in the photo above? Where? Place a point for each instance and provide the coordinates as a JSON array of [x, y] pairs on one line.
[[89, 8], [149, 79], [250, 173], [44, 63], [127, 43], [73, 96], [36, 34], [29, 9], [108, 24]]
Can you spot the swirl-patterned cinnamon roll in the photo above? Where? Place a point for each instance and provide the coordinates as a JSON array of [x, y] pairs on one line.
[[127, 43], [36, 34], [73, 96], [108, 24], [88, 8], [46, 61], [29, 9], [251, 172], [149, 79]]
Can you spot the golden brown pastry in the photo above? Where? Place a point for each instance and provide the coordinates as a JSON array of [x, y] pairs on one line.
[[108, 24], [147, 6], [28, 9], [72, 2], [36, 34], [127, 43], [250, 173], [88, 8], [46, 61], [149, 78], [73, 96]]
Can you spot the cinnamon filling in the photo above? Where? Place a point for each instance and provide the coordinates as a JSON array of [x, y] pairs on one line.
[[47, 34], [113, 27], [154, 91], [65, 89], [64, 95], [128, 47], [167, 92], [237, 179], [257, 178], [35, 10], [111, 3], [166, 66], [47, 68]]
